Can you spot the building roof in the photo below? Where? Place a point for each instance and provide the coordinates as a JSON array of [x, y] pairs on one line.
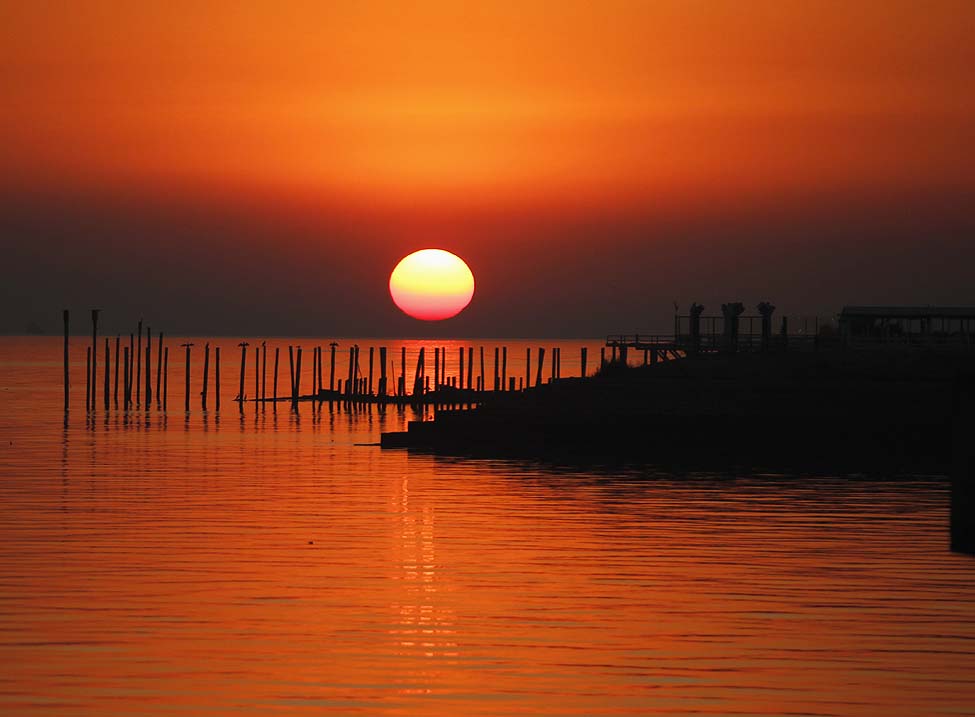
[[908, 312]]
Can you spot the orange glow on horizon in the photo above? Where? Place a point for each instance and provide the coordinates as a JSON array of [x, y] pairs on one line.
[[431, 285]]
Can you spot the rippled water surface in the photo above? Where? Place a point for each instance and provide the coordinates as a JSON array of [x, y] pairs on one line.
[[156, 563]]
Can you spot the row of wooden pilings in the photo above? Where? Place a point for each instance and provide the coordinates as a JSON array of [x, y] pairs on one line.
[[131, 384]]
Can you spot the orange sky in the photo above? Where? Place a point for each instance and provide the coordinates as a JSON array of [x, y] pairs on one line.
[[608, 103]]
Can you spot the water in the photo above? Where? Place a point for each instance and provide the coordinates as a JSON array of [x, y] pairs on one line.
[[264, 563]]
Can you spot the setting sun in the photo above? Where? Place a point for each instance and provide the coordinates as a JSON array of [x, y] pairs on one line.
[[431, 284]]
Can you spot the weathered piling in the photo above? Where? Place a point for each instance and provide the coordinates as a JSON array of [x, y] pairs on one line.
[[243, 367], [482, 368], [148, 367], [88, 381], [418, 376], [321, 360], [331, 371], [436, 368], [541, 364], [297, 379], [94, 354], [372, 351], [159, 357], [257, 373], [402, 378], [165, 376], [504, 366], [470, 367], [382, 371], [460, 365], [67, 382], [277, 351], [138, 369], [349, 374], [528, 367], [130, 374], [118, 342], [125, 381], [264, 371], [497, 374], [206, 375], [358, 370], [216, 377], [555, 352], [291, 369], [582, 362], [107, 361], [186, 380]]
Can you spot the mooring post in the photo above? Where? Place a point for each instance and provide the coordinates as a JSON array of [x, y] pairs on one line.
[[358, 370], [118, 342], [65, 314], [504, 367], [528, 367], [125, 381], [243, 367], [216, 377], [541, 364], [497, 369], [148, 367], [130, 374], [482, 369], [470, 367], [582, 362], [331, 372], [436, 368], [460, 365], [263, 372], [274, 388], [558, 362], [297, 379], [165, 376], [372, 351], [403, 369], [257, 374], [88, 380], [206, 376], [94, 354], [186, 380], [107, 393], [382, 371], [349, 373], [138, 369], [159, 356], [291, 369], [552, 377], [418, 376]]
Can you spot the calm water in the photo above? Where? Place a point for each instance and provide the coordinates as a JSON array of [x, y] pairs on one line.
[[160, 563]]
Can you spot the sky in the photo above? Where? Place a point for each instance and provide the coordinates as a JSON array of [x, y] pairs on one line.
[[260, 168]]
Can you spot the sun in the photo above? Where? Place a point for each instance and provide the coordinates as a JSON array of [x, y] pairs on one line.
[[431, 284]]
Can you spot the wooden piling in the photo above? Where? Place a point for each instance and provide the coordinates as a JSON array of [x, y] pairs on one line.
[[511, 384], [277, 351], [582, 362], [528, 367], [148, 367], [107, 361], [470, 367], [159, 357], [372, 350], [382, 371], [94, 354], [418, 375], [243, 367], [130, 374], [263, 371], [88, 381], [321, 360], [297, 378], [436, 368], [257, 373], [138, 370], [118, 342], [216, 377], [206, 376], [497, 375], [402, 378], [66, 316], [166, 376], [125, 381], [331, 372], [552, 377], [541, 364], [602, 356], [482, 368], [350, 373], [186, 380], [504, 366], [291, 369]]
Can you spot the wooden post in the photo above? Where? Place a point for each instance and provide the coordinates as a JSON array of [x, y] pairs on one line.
[[138, 369], [470, 367], [125, 381], [602, 356], [528, 367], [118, 343], [94, 354], [148, 368], [511, 384], [186, 386], [372, 351], [216, 377], [504, 366], [552, 378], [436, 368], [159, 357], [88, 380], [263, 371], [130, 375], [582, 362], [418, 376], [382, 371], [291, 368], [67, 381], [165, 376], [482, 368], [206, 375], [297, 379], [460, 366], [321, 360], [541, 363], [277, 351], [358, 370], [558, 362], [107, 393], [497, 375], [350, 376], [331, 373], [403, 369], [243, 367]]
